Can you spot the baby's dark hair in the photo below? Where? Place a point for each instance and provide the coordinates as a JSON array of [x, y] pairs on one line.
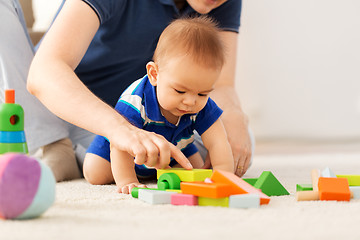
[[197, 37]]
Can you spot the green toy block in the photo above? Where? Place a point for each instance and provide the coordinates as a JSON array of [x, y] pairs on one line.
[[13, 147], [11, 117], [215, 202], [135, 191], [168, 181], [11, 114], [12, 136], [250, 181], [269, 185], [304, 187], [193, 175], [354, 180]]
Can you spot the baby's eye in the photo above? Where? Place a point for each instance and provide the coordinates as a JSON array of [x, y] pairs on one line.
[[202, 95], [181, 92]]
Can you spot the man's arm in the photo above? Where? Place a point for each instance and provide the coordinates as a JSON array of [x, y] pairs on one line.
[[53, 81], [234, 119]]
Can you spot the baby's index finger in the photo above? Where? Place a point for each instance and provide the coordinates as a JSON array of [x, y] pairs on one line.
[[180, 157]]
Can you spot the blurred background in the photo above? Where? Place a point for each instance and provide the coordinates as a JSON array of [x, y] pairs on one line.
[[297, 72], [298, 68]]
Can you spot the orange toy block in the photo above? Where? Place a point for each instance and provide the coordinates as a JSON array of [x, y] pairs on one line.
[[238, 186], [334, 189], [209, 190]]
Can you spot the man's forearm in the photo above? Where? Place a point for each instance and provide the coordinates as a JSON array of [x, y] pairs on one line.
[[227, 99]]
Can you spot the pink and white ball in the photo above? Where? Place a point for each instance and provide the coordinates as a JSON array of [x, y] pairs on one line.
[[27, 187]]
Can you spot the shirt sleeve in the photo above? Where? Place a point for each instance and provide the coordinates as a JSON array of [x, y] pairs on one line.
[[207, 116], [228, 15], [129, 111], [105, 9]]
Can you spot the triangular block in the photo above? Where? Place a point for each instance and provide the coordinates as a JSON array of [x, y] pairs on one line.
[[250, 181], [269, 185]]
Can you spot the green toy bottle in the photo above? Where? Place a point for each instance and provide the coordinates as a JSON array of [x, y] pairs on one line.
[[12, 135]]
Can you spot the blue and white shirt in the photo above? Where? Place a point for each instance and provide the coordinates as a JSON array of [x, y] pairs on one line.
[[139, 105]]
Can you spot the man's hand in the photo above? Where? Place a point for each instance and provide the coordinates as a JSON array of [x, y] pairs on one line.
[[238, 135], [148, 148], [236, 126], [239, 139]]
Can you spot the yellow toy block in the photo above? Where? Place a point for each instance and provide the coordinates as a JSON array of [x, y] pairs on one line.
[[215, 202], [194, 175], [174, 190], [354, 180]]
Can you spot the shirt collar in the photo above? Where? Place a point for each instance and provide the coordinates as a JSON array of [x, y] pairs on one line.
[[152, 108], [185, 11]]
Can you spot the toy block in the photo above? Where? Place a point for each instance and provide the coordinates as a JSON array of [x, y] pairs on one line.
[[208, 180], [354, 180], [174, 190], [269, 185], [155, 196], [307, 196], [214, 202], [238, 186], [12, 135], [334, 189], [209, 190], [250, 181], [184, 199], [356, 191], [327, 172], [315, 174], [244, 201], [168, 181], [312, 195], [13, 147], [135, 191], [193, 175], [304, 187]]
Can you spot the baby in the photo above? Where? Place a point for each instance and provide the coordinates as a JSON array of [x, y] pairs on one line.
[[172, 100]]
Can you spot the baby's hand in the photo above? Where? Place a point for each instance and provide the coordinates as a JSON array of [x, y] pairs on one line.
[[126, 189]]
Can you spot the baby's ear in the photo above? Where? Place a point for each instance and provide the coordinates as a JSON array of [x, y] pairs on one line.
[[152, 72]]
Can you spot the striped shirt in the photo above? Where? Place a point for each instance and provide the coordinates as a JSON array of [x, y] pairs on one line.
[[139, 105]]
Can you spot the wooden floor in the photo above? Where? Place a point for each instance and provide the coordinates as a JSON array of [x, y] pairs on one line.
[[306, 147]]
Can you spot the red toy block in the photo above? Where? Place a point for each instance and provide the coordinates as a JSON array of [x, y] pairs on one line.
[[184, 199], [238, 186], [209, 190], [334, 189]]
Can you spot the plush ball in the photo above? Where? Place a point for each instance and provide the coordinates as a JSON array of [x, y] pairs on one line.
[[27, 187]]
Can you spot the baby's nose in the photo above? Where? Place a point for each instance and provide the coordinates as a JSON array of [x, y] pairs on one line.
[[190, 100]]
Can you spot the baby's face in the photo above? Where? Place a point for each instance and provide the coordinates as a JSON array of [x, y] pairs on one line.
[[205, 6], [183, 87]]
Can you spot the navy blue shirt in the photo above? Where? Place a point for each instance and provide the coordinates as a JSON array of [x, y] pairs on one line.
[[127, 37]]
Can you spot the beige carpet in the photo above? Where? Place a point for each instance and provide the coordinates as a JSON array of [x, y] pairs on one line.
[[83, 211]]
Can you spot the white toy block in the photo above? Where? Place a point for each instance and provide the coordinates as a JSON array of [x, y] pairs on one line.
[[244, 201], [155, 196], [208, 180], [356, 191], [327, 172]]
